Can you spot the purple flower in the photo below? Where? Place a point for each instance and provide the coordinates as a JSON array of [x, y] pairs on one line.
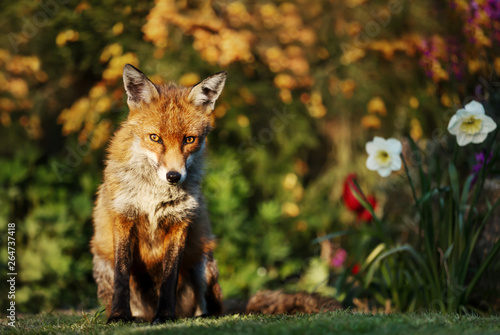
[[481, 160], [492, 9], [474, 6], [339, 258], [457, 71]]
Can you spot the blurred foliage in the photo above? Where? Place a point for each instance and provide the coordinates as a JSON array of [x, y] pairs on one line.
[[309, 83]]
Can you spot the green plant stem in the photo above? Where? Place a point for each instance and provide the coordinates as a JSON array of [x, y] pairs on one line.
[[415, 199], [455, 154], [414, 193]]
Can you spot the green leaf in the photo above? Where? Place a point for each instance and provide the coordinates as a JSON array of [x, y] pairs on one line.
[[404, 248], [491, 255], [375, 252], [448, 252], [455, 188], [464, 265], [465, 193], [427, 196]]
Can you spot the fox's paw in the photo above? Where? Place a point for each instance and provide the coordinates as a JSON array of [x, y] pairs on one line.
[[120, 318], [159, 319]]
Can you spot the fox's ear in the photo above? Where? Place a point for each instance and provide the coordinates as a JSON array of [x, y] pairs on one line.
[[206, 92], [139, 88]]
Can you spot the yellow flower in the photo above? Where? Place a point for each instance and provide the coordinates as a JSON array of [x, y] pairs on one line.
[[18, 87], [415, 129], [414, 102], [242, 121], [117, 28], [290, 181], [290, 209], [61, 39], [377, 106], [496, 65], [284, 80], [189, 79], [370, 122]]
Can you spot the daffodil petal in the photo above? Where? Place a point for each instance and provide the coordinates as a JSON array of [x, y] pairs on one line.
[[479, 138], [371, 148], [384, 172], [475, 107], [394, 146], [453, 125], [395, 163], [463, 138], [488, 124], [371, 163], [379, 141]]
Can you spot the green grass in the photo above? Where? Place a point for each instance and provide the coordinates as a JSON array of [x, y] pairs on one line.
[[342, 322]]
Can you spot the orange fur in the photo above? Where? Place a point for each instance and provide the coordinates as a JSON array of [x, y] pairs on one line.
[[155, 228]]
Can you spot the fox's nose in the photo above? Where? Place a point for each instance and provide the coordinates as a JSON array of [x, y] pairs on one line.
[[173, 177]]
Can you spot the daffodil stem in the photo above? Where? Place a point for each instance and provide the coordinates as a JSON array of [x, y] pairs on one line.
[[414, 199], [411, 182], [455, 154]]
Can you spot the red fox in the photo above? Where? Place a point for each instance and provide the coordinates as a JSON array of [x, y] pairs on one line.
[[152, 242]]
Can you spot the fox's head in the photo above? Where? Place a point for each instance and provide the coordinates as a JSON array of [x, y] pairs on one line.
[[168, 123]]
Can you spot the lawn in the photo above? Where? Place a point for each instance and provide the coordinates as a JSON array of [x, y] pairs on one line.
[[341, 322]]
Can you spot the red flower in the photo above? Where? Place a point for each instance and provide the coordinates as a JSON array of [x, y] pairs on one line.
[[355, 269], [364, 214], [350, 200], [352, 203]]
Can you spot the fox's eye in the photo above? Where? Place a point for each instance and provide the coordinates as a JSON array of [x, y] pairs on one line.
[[155, 138], [189, 139]]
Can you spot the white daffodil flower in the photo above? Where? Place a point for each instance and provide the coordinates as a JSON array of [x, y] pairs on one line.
[[470, 124], [383, 155]]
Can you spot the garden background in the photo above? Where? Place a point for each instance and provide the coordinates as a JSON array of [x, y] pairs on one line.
[[309, 83]]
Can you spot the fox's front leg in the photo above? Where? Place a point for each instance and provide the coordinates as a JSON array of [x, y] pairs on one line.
[[174, 244], [120, 306]]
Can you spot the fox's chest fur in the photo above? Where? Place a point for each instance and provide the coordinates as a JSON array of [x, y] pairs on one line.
[[159, 204]]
